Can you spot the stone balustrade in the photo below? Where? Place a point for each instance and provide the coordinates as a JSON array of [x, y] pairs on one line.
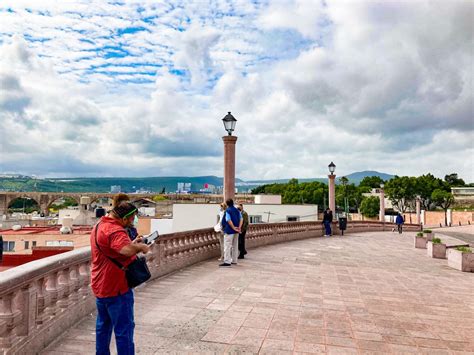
[[41, 299]]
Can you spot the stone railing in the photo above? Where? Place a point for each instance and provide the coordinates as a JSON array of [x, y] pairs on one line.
[[41, 299]]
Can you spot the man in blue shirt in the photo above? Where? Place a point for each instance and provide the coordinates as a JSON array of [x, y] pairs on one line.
[[231, 225]]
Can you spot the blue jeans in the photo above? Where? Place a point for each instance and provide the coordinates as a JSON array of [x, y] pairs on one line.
[[327, 226], [115, 313]]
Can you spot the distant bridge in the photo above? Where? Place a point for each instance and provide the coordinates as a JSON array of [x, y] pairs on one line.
[[46, 199]]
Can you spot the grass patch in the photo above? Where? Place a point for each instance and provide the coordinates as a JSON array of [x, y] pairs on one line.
[[464, 249], [436, 241]]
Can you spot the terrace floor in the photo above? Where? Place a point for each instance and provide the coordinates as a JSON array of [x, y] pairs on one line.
[[363, 293]]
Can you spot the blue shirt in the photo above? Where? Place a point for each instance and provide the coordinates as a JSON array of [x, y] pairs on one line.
[[231, 214]]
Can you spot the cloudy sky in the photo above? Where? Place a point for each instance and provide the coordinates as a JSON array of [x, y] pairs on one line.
[[139, 88]]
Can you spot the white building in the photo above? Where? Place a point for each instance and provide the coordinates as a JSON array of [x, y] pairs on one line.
[[197, 216]]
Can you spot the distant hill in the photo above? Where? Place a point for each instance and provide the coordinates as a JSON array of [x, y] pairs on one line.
[[357, 177], [153, 184]]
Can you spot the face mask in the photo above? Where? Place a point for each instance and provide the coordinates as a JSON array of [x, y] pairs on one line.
[[135, 221]]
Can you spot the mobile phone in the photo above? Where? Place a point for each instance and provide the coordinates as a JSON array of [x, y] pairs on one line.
[[149, 239]]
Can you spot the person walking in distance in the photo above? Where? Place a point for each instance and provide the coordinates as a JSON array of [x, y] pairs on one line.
[[231, 224], [243, 232], [218, 229], [399, 222], [327, 220], [114, 299]]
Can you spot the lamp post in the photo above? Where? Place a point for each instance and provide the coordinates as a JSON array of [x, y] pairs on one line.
[[332, 188], [382, 203], [418, 209], [229, 156]]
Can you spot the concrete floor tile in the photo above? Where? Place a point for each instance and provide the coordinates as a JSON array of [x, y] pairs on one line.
[[310, 348]]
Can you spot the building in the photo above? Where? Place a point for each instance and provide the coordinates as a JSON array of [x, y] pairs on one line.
[[25, 244], [184, 187], [463, 194], [115, 189]]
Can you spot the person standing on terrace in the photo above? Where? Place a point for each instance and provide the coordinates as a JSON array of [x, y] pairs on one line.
[[114, 299], [327, 220], [231, 223]]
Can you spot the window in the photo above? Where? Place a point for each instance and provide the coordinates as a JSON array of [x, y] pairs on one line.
[[292, 218], [255, 219], [33, 244], [27, 244], [8, 246]]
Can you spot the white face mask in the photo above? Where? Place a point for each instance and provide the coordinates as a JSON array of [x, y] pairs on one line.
[[135, 221]]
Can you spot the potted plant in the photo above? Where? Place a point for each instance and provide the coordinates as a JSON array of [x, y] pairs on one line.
[[461, 258], [428, 233], [436, 249], [420, 241]]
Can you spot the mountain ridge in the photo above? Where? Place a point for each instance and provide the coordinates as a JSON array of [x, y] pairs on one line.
[[152, 184]]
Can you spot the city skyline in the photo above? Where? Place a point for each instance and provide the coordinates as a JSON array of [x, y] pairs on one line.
[[139, 89]]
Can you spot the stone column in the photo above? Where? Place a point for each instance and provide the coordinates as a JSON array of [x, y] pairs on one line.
[[418, 210], [332, 193], [382, 205], [229, 166]]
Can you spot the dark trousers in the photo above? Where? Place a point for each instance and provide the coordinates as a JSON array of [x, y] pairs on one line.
[[115, 314], [242, 250], [400, 226], [327, 226]]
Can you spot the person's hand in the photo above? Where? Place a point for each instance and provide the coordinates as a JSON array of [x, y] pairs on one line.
[[138, 239], [144, 248]]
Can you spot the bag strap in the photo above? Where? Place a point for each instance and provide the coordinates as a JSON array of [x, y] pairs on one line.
[[108, 257]]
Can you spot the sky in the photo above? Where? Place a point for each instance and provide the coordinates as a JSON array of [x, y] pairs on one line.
[[139, 88]]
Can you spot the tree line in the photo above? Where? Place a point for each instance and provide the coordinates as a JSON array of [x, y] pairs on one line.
[[402, 191]]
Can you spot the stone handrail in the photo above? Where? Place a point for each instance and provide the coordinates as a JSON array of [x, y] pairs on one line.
[[41, 299]]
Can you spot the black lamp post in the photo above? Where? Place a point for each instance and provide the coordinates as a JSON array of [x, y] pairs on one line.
[[229, 123], [332, 168]]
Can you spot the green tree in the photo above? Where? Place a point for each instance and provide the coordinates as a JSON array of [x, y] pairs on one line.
[[444, 200], [370, 206], [371, 181], [425, 185], [402, 192], [453, 181]]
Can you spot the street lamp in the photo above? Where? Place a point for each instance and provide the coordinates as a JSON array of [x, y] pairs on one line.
[[332, 168], [332, 187], [229, 123], [229, 156]]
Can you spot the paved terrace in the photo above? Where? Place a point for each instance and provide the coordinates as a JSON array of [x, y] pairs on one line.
[[361, 293]]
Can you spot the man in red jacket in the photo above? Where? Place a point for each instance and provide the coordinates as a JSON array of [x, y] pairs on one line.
[[114, 299]]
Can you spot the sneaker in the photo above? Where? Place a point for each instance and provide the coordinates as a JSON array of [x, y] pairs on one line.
[[234, 263], [224, 264]]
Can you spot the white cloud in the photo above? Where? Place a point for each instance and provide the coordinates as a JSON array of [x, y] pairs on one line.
[[370, 85]]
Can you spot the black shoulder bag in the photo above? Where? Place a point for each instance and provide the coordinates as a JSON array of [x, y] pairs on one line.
[[136, 272]]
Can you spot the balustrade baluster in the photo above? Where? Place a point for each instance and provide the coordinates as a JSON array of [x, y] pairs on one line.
[[53, 294], [75, 284], [64, 283], [42, 301], [84, 279], [9, 318]]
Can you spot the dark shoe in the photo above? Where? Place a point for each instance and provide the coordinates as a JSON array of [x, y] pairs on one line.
[[241, 257], [245, 252], [234, 263], [224, 264]]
